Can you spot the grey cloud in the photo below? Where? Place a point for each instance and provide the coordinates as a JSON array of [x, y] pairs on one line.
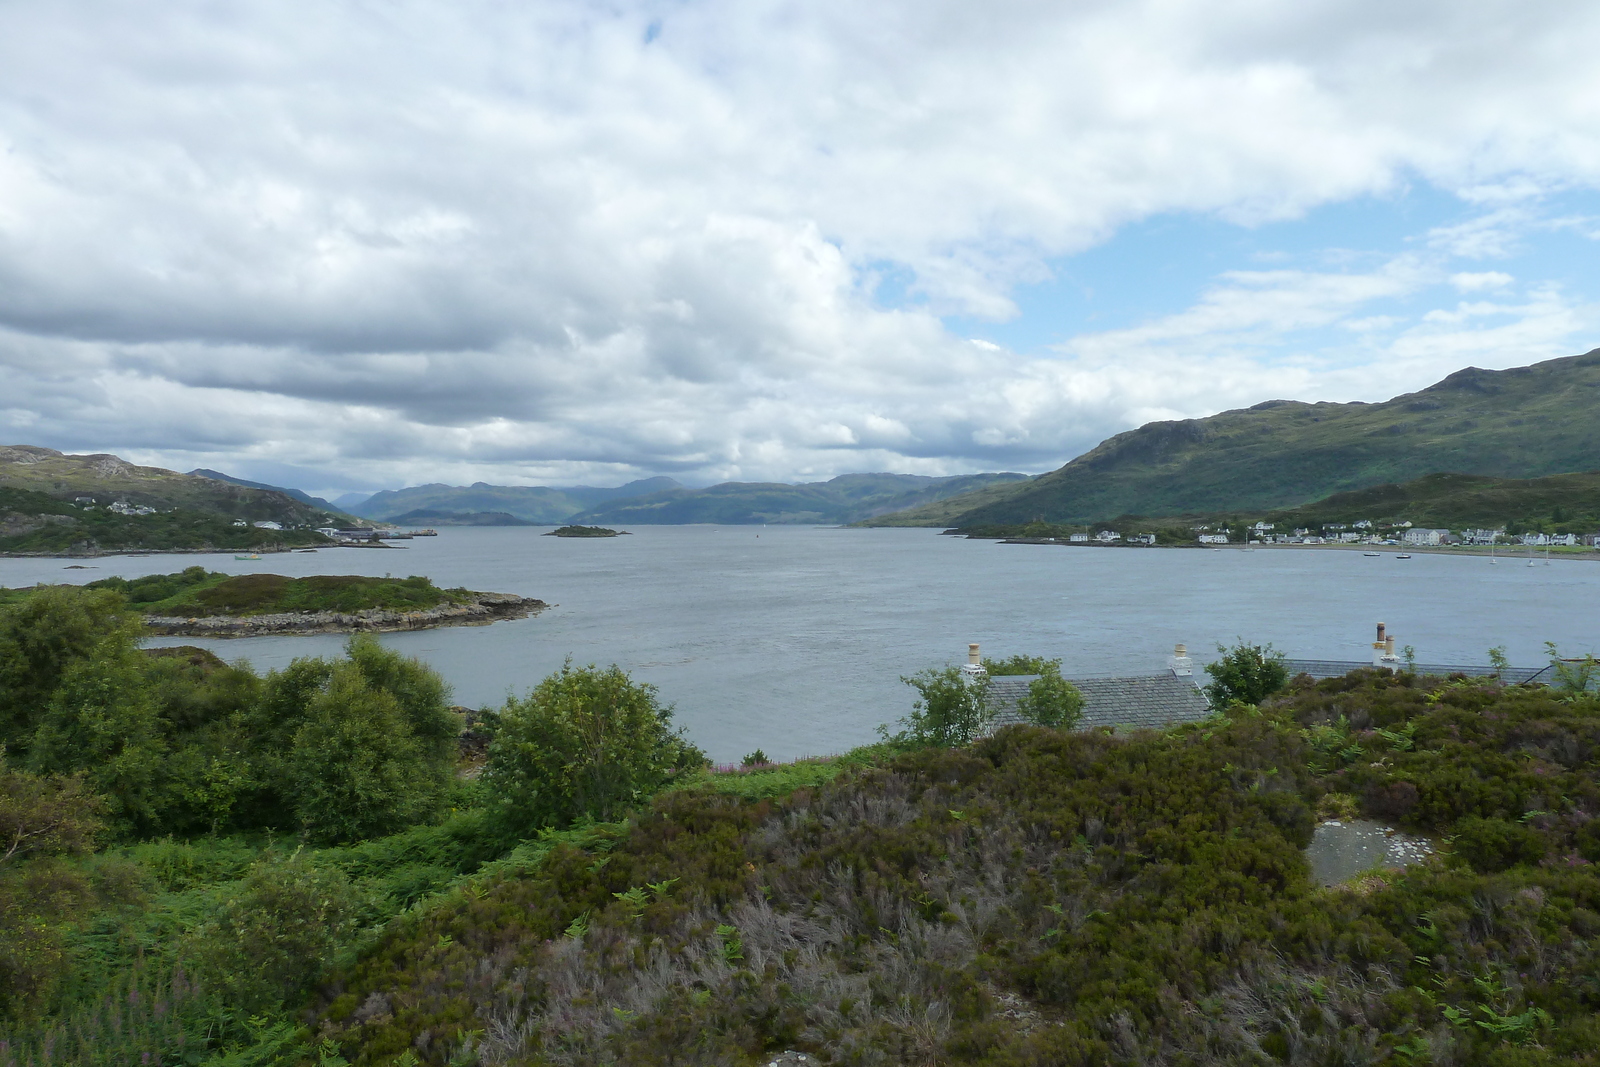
[[508, 241]]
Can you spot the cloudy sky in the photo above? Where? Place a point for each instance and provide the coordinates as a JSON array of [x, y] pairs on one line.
[[364, 244]]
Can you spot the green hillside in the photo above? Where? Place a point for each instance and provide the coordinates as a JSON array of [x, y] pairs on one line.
[[1526, 422], [847, 498], [537, 504], [34, 523], [108, 480], [1560, 503]]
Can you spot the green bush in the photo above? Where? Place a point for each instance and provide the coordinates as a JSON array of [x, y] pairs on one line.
[[41, 638], [1496, 844], [586, 742], [355, 768], [275, 933], [1051, 700], [1245, 673], [951, 709]]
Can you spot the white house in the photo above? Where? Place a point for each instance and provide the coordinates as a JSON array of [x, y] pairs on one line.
[[265, 525], [1214, 539], [1419, 535], [1078, 539], [1106, 537]]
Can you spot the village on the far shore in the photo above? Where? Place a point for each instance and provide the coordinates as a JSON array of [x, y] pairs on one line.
[[1365, 532]]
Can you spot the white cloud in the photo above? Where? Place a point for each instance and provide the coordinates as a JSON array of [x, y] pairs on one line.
[[533, 242], [1473, 281]]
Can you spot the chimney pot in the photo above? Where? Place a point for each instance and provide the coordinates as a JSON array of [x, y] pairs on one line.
[[1179, 662], [972, 654]]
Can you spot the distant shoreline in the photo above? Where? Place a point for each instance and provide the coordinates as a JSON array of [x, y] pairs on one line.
[[1506, 552]]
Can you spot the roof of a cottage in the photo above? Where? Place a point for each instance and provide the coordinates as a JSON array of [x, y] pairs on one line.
[[1126, 703], [1334, 668]]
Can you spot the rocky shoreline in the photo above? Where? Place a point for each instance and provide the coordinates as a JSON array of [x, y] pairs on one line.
[[481, 610]]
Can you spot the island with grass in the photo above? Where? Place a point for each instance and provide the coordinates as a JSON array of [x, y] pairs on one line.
[[584, 531], [200, 603]]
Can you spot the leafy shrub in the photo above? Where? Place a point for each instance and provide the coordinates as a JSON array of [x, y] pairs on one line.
[[1051, 700], [355, 768], [1246, 673], [587, 741], [1495, 844], [41, 638], [951, 709], [274, 936]]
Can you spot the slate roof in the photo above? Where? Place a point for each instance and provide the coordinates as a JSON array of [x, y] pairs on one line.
[[1333, 668], [1127, 703]]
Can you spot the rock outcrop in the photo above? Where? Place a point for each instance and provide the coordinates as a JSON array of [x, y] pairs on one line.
[[480, 610]]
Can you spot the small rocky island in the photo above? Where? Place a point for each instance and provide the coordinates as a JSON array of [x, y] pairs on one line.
[[585, 531], [200, 603]]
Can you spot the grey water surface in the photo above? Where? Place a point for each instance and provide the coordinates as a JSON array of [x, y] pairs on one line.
[[793, 639]]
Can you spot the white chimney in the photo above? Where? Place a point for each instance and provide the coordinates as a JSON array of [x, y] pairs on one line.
[[1383, 654], [1179, 662], [973, 668]]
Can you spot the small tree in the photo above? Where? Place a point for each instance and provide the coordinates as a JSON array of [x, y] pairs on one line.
[[1051, 700], [41, 638], [102, 721], [273, 936], [950, 710], [1246, 673], [1573, 676], [587, 741], [356, 769], [45, 816]]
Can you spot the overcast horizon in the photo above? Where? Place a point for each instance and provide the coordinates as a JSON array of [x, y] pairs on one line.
[[350, 247]]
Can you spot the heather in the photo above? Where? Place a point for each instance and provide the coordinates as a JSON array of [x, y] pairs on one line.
[[302, 868]]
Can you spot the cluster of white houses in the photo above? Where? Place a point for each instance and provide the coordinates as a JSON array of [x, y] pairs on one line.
[[1366, 532]]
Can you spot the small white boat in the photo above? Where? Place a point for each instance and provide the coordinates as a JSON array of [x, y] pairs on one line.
[[1403, 555], [1372, 553]]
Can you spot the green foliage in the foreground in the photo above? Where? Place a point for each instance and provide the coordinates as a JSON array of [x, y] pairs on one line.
[[338, 749], [1047, 898], [586, 741], [36, 524], [1040, 897], [196, 592], [1245, 673]]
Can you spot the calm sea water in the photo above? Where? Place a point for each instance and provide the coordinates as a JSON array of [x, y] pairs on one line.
[[792, 639]]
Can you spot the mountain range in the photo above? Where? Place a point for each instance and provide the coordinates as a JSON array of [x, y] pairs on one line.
[[1526, 422], [537, 504], [845, 499], [297, 494]]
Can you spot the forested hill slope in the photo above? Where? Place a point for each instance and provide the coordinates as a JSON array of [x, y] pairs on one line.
[[1524, 422], [109, 479], [847, 498], [538, 504]]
